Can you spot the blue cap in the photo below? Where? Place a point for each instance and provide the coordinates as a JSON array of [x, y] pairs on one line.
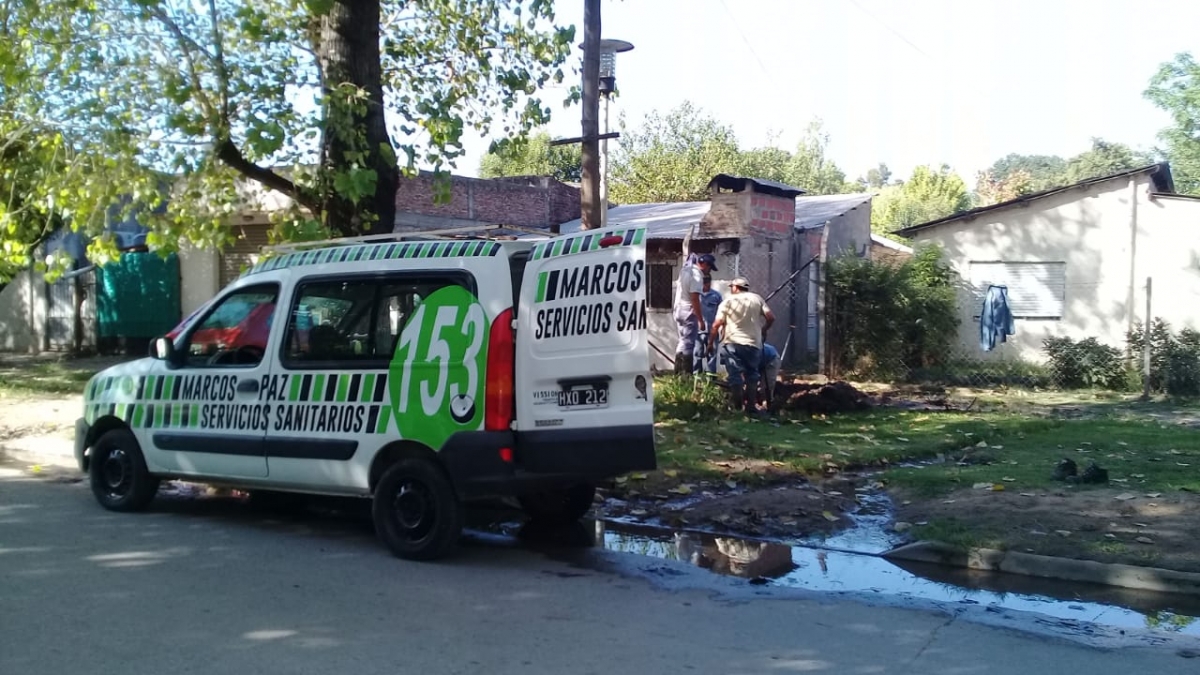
[[710, 259]]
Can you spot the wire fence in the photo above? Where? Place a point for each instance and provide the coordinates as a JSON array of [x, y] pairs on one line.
[[1040, 353]]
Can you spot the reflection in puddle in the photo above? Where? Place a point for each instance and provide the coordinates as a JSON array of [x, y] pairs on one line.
[[827, 570]]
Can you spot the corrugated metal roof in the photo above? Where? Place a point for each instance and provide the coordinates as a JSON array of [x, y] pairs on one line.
[[671, 220], [663, 220], [773, 187], [817, 210]]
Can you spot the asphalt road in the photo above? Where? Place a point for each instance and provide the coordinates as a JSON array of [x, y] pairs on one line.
[[207, 585]]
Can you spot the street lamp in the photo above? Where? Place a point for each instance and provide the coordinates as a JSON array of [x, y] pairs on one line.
[[608, 84]]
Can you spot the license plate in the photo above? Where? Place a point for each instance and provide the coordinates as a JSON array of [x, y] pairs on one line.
[[584, 396]]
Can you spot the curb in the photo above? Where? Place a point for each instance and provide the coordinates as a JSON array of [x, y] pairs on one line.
[[1047, 567]]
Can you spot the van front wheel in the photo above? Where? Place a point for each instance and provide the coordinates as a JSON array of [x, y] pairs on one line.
[[559, 507], [118, 473], [416, 512]]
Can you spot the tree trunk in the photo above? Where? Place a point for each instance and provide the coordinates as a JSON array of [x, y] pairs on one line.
[[348, 51]]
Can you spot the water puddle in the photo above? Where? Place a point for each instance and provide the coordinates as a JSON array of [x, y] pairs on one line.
[[823, 569]]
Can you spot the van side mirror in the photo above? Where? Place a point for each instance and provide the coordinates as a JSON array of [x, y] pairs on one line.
[[163, 349]]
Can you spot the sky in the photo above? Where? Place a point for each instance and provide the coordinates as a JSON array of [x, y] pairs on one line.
[[904, 82]]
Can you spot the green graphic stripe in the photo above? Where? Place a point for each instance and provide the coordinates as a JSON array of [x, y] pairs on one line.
[[385, 418], [541, 289], [389, 251], [587, 242]]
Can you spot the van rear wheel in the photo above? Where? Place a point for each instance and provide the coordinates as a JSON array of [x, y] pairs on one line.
[[416, 512], [117, 469], [559, 507]]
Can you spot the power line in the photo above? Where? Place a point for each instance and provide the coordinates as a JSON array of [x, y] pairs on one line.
[[891, 30], [749, 46]]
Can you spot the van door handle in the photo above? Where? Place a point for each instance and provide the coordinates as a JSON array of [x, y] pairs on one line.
[[248, 386]]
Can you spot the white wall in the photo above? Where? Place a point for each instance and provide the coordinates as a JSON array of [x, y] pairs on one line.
[[23, 313], [1168, 250], [1089, 229], [199, 275]]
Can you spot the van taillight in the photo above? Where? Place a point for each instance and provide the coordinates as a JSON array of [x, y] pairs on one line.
[[499, 398]]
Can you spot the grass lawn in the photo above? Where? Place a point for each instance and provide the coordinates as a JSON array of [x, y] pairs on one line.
[[48, 378], [944, 451]]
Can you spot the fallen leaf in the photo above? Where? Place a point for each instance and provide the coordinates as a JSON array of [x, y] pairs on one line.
[[1110, 536], [902, 439], [638, 476], [981, 486], [901, 527], [1144, 540], [1138, 475], [731, 484], [1140, 525], [1182, 464], [670, 473], [1153, 495], [1008, 479], [948, 501], [998, 487], [681, 490], [621, 480], [981, 444], [829, 516], [1028, 494], [999, 447], [1125, 496], [834, 493], [1122, 443], [638, 512], [1065, 533], [906, 502]]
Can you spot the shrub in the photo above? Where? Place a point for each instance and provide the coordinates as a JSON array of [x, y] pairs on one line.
[[1174, 359], [887, 320], [1085, 364], [685, 398]]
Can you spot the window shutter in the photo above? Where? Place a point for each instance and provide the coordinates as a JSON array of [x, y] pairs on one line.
[[1036, 290]]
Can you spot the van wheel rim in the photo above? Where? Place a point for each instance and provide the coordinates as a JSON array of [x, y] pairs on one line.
[[117, 472], [414, 510]]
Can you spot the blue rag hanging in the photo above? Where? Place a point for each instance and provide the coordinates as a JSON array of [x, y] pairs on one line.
[[996, 319]]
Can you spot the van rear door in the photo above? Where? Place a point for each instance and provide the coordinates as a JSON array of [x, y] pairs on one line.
[[584, 400]]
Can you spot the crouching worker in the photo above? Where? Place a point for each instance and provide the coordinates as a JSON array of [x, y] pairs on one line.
[[742, 319]]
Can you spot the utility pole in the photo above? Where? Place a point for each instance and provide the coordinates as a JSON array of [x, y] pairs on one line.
[[589, 193]]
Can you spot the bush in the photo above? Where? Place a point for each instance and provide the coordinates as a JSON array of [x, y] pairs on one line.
[[1085, 364], [1174, 359], [887, 320], [686, 398]]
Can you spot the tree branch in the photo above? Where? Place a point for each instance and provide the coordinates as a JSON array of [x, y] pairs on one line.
[[232, 156]]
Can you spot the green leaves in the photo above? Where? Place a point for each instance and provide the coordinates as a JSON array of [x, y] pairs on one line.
[[216, 104]]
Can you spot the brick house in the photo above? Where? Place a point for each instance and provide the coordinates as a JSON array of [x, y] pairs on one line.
[[759, 229], [537, 202]]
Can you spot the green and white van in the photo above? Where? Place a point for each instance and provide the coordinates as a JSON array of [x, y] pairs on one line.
[[421, 373]]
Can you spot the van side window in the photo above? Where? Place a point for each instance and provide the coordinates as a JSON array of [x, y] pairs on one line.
[[235, 331], [354, 323]]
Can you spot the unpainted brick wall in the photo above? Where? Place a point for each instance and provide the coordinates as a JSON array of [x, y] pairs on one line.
[[527, 201]]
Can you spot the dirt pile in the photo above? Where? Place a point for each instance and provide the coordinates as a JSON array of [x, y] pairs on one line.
[[821, 399]]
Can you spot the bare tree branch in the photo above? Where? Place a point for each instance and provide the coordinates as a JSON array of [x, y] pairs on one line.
[[232, 156]]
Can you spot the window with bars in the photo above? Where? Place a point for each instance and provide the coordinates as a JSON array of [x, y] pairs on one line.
[[660, 290]]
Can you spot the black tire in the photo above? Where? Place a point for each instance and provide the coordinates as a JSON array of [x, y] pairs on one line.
[[559, 507], [120, 481], [416, 511]]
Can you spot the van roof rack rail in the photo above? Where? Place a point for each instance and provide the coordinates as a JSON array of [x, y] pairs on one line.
[[480, 232]]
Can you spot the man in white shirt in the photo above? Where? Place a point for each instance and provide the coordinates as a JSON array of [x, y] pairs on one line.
[[689, 315], [743, 318]]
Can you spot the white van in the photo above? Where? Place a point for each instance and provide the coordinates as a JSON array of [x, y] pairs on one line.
[[422, 373]]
